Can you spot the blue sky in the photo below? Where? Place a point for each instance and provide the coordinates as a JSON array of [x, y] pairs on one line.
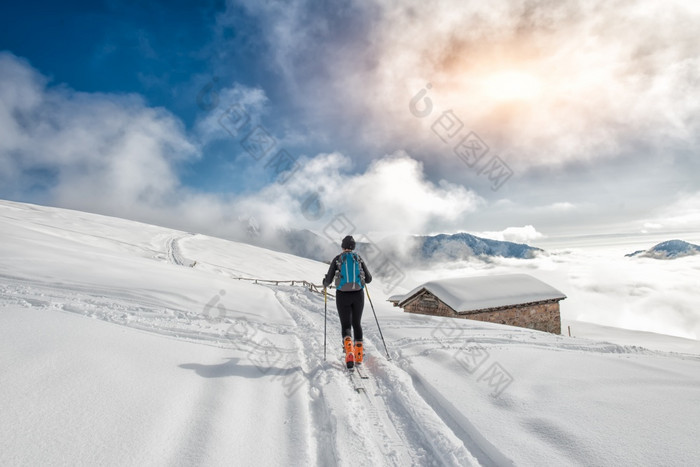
[[113, 46], [586, 114], [166, 52]]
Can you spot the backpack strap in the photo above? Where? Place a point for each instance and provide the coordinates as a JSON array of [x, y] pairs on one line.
[[338, 261], [361, 263], [338, 268]]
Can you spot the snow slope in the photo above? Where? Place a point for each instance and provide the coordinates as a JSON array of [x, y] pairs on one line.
[[123, 343]]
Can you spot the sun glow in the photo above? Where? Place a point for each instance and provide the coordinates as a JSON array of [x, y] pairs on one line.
[[512, 85]]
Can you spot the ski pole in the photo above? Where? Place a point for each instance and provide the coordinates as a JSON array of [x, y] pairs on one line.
[[378, 327], [325, 312]]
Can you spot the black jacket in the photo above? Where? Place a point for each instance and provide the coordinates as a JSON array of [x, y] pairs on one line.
[[334, 267]]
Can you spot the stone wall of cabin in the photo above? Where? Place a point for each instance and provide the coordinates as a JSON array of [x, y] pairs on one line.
[[428, 304], [543, 316]]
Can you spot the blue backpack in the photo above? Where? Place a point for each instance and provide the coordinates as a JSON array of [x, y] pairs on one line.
[[350, 275]]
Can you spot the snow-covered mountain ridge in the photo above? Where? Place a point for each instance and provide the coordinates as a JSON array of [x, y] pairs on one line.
[[669, 249], [183, 364]]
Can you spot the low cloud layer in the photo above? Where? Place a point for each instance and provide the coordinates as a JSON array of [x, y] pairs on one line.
[[603, 286]]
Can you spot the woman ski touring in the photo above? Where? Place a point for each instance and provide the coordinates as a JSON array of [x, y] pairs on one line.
[[350, 274]]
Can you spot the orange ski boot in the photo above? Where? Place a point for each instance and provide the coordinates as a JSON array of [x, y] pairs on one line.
[[349, 353], [359, 352]]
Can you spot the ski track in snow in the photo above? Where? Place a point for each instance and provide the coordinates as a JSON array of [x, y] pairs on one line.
[[173, 252], [134, 313], [401, 433]]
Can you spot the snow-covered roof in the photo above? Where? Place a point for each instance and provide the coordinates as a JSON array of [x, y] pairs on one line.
[[464, 294]]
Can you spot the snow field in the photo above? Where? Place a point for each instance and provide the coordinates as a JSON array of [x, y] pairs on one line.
[[182, 364]]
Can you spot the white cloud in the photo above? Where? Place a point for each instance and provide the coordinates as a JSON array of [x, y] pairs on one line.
[[679, 217], [103, 153], [392, 194], [113, 154], [612, 76], [651, 226], [525, 234], [92, 151], [233, 109], [561, 206], [683, 213]]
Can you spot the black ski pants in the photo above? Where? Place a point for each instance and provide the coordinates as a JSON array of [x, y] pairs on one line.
[[350, 306]]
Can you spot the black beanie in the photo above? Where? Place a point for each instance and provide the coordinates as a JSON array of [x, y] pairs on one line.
[[348, 243]]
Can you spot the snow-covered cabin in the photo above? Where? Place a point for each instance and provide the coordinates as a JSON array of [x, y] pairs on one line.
[[513, 299]]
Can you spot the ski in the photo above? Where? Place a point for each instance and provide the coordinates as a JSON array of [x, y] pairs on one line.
[[356, 382], [361, 372]]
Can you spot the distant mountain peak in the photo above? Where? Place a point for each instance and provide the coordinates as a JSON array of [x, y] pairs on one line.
[[670, 249], [462, 245]]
